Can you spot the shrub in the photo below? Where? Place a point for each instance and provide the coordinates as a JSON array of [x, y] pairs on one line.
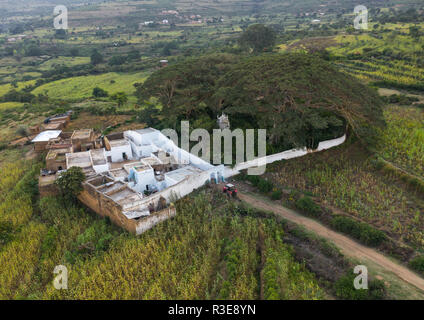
[[253, 179], [276, 195], [417, 264], [265, 186], [307, 205], [70, 183], [6, 232], [359, 230], [345, 290], [99, 92]]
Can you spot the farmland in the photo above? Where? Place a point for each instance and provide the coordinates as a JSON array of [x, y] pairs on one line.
[[79, 88], [347, 180], [402, 142], [323, 77], [224, 264]]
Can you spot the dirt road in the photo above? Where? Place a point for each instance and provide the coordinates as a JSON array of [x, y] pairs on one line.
[[346, 245]]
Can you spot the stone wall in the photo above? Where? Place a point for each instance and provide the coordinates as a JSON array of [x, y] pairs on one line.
[[149, 222], [286, 155], [106, 207]]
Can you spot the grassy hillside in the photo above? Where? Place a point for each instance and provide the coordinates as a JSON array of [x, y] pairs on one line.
[[78, 88]]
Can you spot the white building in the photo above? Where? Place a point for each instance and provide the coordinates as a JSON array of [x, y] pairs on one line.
[[148, 163]]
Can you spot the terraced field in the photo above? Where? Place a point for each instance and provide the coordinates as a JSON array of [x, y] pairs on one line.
[[78, 88], [394, 58]]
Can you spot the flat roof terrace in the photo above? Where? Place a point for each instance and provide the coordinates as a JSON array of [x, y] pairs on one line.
[[82, 134], [122, 165], [119, 143], [180, 174], [110, 187], [98, 157], [137, 166], [125, 196], [152, 161], [118, 173], [58, 154], [47, 135], [78, 159]]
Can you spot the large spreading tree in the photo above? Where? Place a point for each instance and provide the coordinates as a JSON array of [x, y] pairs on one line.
[[258, 38], [299, 98]]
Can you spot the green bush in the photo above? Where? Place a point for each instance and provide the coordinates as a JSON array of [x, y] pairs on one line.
[[6, 232], [417, 264], [276, 195], [345, 290], [307, 205], [94, 240], [359, 230], [265, 186], [253, 179]]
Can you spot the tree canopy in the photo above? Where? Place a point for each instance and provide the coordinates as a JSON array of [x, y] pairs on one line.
[[258, 37], [70, 183], [96, 57], [299, 98]]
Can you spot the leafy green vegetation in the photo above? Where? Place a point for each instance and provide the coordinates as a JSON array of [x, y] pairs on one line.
[[225, 264], [303, 77], [70, 182], [78, 88], [417, 263], [346, 179], [345, 290], [359, 230], [263, 91], [308, 206]]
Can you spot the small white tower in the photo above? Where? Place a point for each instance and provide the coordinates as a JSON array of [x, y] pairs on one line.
[[223, 122]]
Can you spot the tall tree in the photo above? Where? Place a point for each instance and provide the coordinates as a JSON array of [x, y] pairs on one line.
[[96, 57], [70, 183], [258, 37], [120, 97]]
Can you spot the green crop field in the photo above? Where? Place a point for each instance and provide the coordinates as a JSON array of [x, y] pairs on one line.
[[78, 88], [20, 85], [9, 105], [297, 68], [66, 61], [402, 142]]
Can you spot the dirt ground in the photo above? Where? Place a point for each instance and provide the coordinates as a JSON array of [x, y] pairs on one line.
[[347, 246]]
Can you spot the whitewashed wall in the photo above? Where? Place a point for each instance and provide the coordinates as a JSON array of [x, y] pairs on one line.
[[285, 155], [116, 153]]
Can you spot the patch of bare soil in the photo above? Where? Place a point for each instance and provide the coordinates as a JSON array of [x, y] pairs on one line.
[[22, 141], [86, 120], [324, 266]]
